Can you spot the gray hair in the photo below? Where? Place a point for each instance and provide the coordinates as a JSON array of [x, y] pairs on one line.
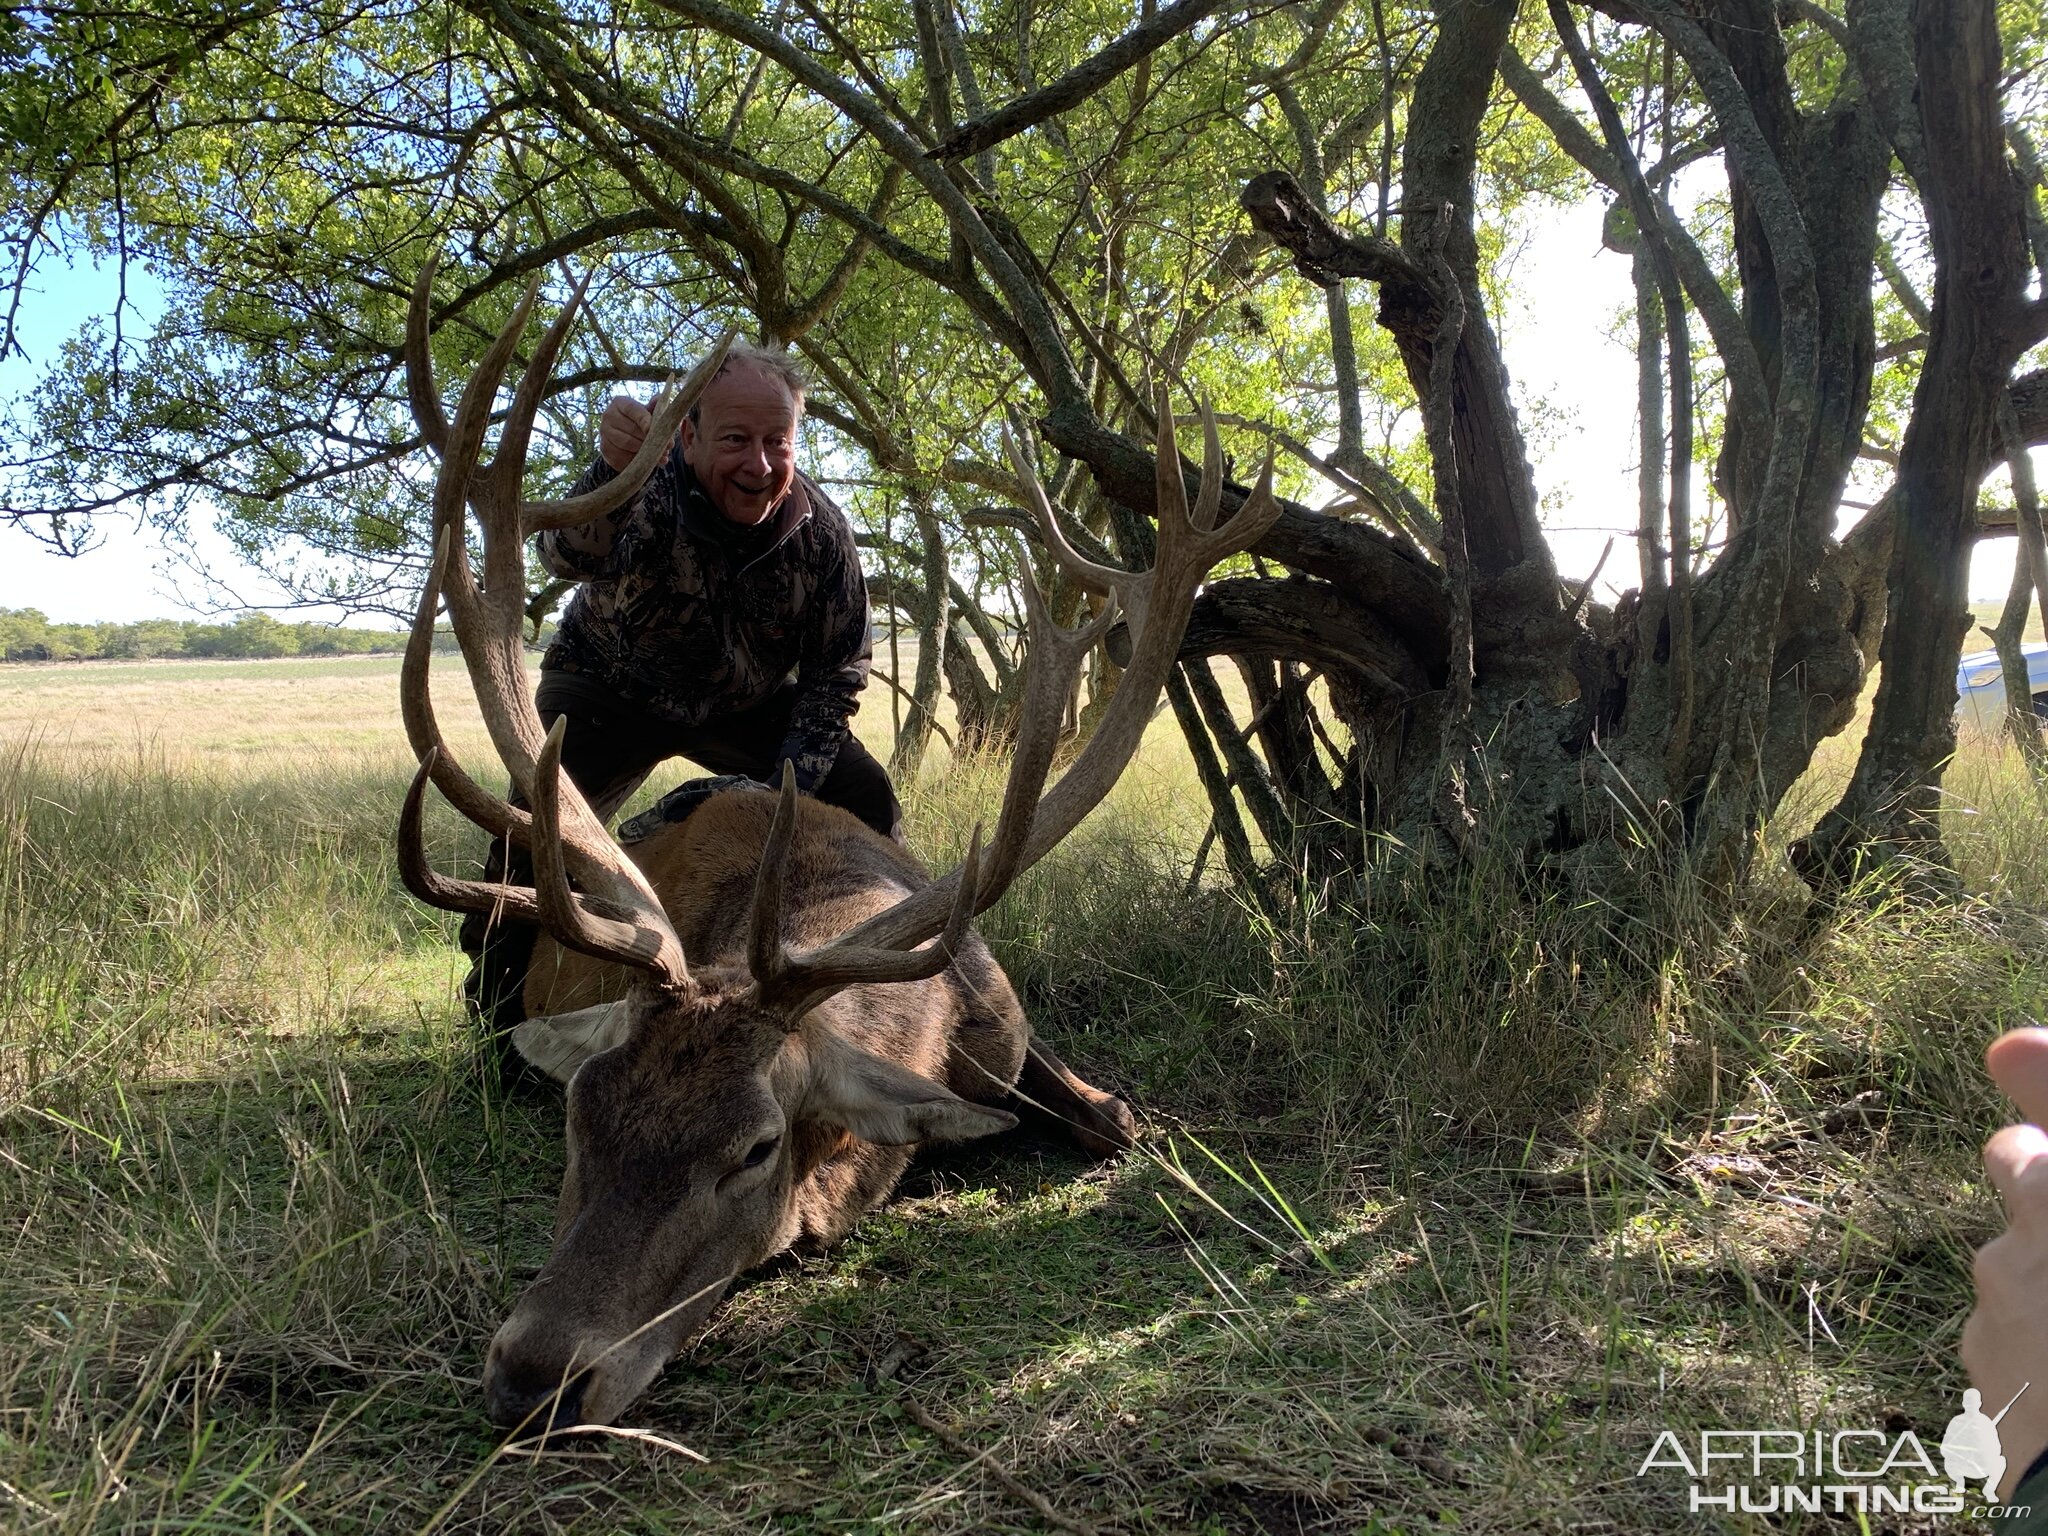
[[772, 361]]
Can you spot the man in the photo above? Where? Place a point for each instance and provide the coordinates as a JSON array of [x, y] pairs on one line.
[[722, 617]]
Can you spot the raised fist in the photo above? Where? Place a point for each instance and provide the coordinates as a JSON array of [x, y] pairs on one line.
[[621, 430]]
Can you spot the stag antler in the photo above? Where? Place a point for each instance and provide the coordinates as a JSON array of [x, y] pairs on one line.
[[798, 983], [587, 893], [616, 915], [1158, 603]]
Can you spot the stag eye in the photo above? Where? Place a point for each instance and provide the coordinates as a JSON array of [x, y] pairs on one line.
[[757, 1154], [756, 1158]]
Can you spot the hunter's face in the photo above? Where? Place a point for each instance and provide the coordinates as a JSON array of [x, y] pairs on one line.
[[742, 447]]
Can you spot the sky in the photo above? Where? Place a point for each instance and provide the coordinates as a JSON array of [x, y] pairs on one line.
[[1564, 347], [129, 575]]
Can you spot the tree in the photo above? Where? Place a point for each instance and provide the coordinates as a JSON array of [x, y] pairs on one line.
[[957, 213], [146, 638], [24, 635]]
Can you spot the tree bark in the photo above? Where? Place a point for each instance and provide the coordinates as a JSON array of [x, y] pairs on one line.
[[1238, 857], [2029, 577], [1981, 324], [907, 755], [1247, 772]]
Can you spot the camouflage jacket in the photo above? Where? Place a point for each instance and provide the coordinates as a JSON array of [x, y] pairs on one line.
[[691, 617]]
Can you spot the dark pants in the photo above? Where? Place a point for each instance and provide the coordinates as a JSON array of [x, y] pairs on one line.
[[608, 750], [611, 747]]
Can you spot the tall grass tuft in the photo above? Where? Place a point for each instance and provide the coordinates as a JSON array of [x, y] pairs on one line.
[[1472, 1001], [150, 917]]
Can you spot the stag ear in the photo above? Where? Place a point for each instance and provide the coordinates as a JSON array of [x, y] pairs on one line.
[[559, 1043], [888, 1105]]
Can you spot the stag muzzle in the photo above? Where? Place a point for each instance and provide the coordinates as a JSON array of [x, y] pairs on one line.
[[546, 1371]]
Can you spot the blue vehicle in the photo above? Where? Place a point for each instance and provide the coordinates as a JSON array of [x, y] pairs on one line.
[[1980, 687]]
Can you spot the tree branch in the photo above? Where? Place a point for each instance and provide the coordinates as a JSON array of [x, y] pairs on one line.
[[1078, 83]]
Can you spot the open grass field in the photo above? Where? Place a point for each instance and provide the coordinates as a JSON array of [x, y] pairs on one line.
[[1984, 614], [1455, 1197]]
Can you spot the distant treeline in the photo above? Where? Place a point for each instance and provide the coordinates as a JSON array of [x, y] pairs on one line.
[[25, 635]]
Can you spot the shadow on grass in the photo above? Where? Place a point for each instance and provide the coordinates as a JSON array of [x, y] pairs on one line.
[[260, 1301], [264, 1298]]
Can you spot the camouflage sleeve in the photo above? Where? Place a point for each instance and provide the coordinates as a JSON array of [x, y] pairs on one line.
[[834, 664], [605, 547]]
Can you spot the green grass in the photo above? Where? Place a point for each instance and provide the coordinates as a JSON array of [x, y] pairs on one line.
[[1984, 614], [1504, 1182]]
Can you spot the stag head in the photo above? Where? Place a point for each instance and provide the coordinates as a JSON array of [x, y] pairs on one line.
[[717, 1113], [690, 1145], [700, 1116]]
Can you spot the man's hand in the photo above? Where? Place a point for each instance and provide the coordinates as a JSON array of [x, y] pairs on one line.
[[621, 430], [2005, 1342], [679, 802]]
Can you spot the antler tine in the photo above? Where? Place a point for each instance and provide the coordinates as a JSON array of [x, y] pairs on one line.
[[619, 917], [1194, 539], [423, 730], [497, 511], [669, 410], [1209, 500], [1253, 519], [1098, 579], [638, 937], [1189, 540], [438, 890], [1161, 600], [798, 983], [454, 484], [1185, 554], [487, 624], [1170, 488], [419, 360], [766, 957], [1055, 657], [473, 414], [505, 535]]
